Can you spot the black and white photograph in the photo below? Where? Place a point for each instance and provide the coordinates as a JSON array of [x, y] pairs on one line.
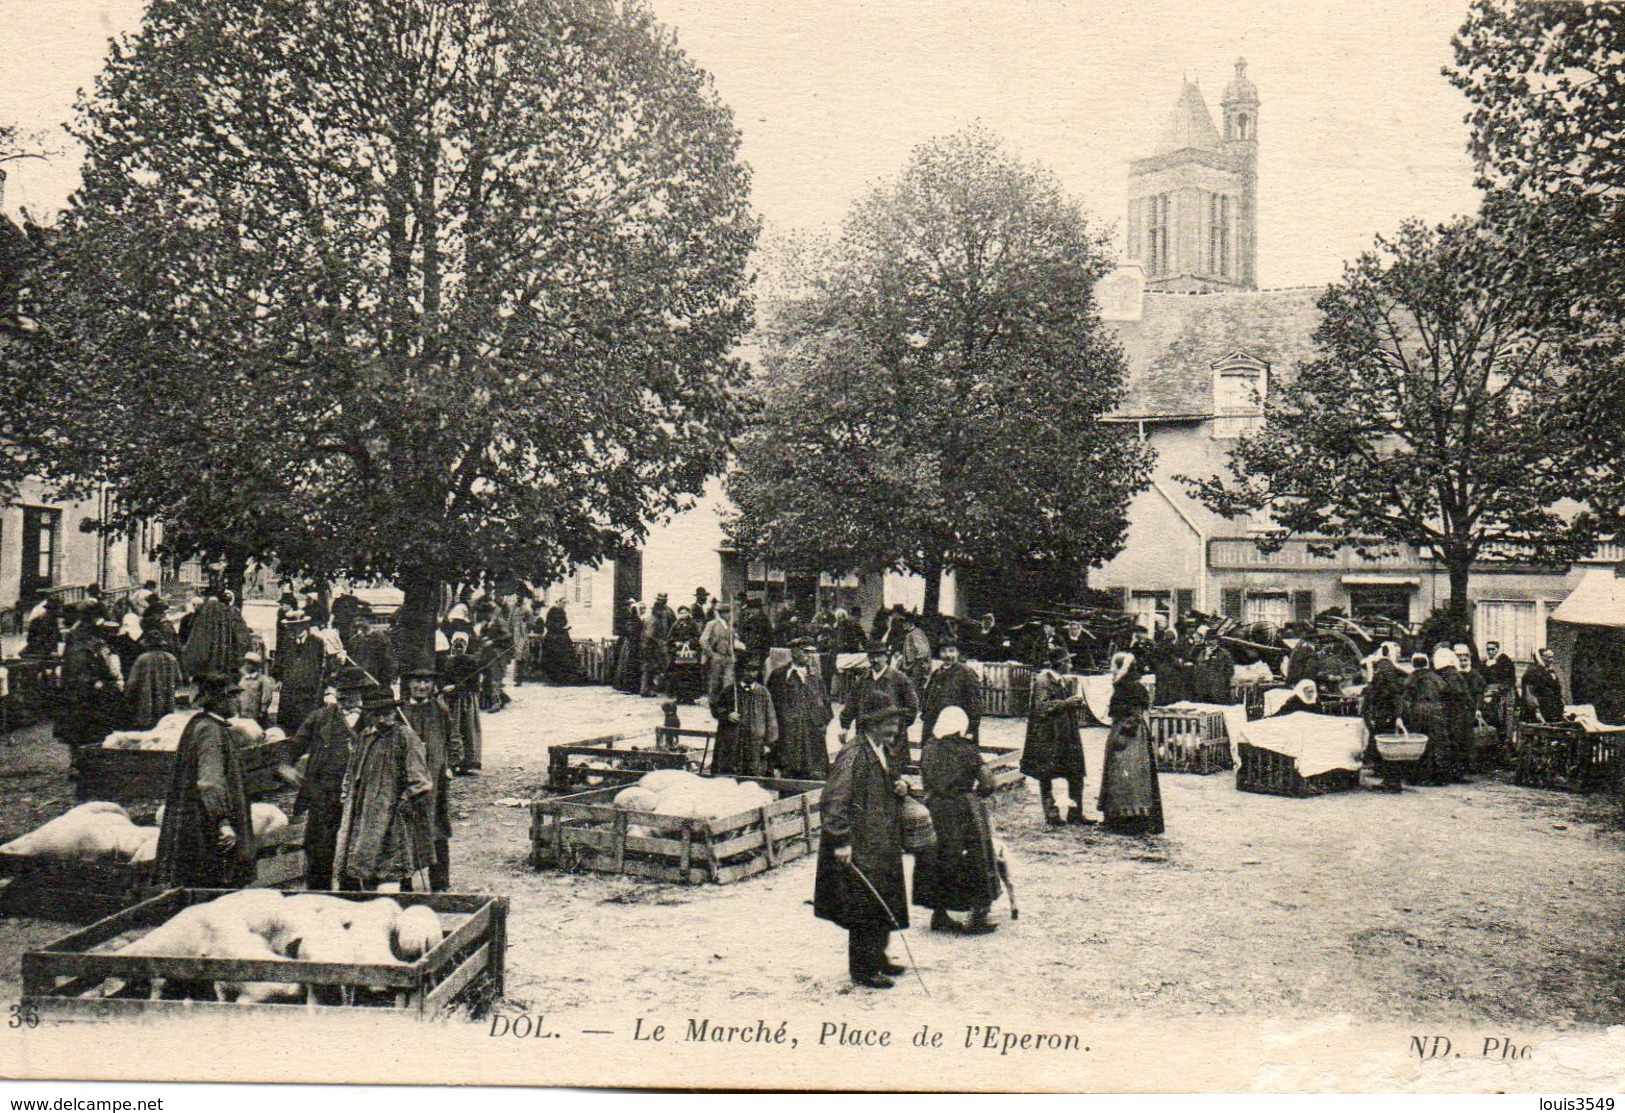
[[1037, 546]]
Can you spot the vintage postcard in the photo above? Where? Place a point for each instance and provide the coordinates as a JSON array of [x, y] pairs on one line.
[[1039, 546]]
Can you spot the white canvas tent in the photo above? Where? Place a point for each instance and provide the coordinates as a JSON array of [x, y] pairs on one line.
[[1588, 640], [1598, 601]]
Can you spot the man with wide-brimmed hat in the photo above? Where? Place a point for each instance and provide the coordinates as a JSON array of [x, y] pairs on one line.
[[303, 670], [92, 702], [429, 717], [802, 704], [951, 683], [881, 704], [385, 833], [326, 738], [207, 838]]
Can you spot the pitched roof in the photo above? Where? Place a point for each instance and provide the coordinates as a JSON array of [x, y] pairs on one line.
[[1189, 125], [1179, 338]]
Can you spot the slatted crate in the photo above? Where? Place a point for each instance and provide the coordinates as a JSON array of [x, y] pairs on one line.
[[1565, 756], [1345, 706], [587, 832], [69, 979], [1189, 741], [1273, 774], [1006, 688], [615, 759], [76, 892], [594, 657], [126, 776]]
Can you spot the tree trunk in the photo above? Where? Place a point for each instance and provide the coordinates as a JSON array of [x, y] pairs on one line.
[[415, 623], [1460, 570], [235, 575], [933, 584]]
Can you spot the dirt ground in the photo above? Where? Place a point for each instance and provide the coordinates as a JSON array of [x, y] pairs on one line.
[[1478, 903]]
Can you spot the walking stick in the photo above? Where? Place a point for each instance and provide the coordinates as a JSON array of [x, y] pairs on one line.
[[898, 928]]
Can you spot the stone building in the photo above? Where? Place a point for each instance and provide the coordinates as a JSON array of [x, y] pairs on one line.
[[1204, 348]]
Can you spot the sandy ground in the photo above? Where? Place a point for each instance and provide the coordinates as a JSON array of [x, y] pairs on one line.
[[1478, 903]]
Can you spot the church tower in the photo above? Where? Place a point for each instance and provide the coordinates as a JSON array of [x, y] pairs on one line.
[[1193, 204]]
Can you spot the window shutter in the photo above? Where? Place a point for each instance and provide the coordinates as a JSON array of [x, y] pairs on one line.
[[1230, 602], [1184, 603], [1303, 606]]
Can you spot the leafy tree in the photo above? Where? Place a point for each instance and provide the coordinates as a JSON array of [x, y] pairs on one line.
[[1547, 86], [1432, 414], [399, 287], [932, 387]]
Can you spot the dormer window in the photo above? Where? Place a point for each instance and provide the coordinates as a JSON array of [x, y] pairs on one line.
[[1240, 384]]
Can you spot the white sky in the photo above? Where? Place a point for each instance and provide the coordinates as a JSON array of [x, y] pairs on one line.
[[1357, 128]]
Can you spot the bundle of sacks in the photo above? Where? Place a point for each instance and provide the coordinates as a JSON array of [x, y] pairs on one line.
[[265, 925], [103, 832], [165, 734], [97, 831], [665, 797]]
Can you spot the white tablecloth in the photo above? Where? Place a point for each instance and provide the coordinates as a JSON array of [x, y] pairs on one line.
[[1316, 743]]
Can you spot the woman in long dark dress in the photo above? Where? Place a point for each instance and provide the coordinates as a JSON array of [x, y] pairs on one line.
[[1426, 712], [559, 664], [961, 873], [1381, 705], [1130, 797], [685, 675]]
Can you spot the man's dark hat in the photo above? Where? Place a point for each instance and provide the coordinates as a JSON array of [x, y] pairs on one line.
[[213, 680], [948, 642], [803, 643], [376, 697], [422, 669], [352, 679], [875, 645], [1059, 656]]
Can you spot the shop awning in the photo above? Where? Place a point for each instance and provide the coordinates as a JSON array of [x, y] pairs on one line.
[[1379, 580]]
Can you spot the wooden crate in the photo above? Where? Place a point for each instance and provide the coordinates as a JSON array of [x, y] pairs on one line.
[[1003, 761], [1273, 774], [76, 892], [587, 832], [615, 759], [124, 776], [1189, 741], [1564, 756], [66, 980], [1346, 706], [1006, 689]]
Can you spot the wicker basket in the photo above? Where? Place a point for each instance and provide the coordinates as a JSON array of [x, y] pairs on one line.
[[919, 832], [1401, 747]]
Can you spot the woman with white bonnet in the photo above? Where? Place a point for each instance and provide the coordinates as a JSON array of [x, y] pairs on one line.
[[1130, 797], [961, 873], [1305, 697]]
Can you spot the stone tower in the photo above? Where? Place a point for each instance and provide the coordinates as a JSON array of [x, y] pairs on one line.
[[1193, 205]]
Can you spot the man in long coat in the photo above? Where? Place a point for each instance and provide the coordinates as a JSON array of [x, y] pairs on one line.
[[303, 671], [1054, 746], [207, 838], [882, 704], [717, 651], [327, 736], [431, 720], [860, 883], [802, 704], [384, 836], [747, 725], [951, 683]]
